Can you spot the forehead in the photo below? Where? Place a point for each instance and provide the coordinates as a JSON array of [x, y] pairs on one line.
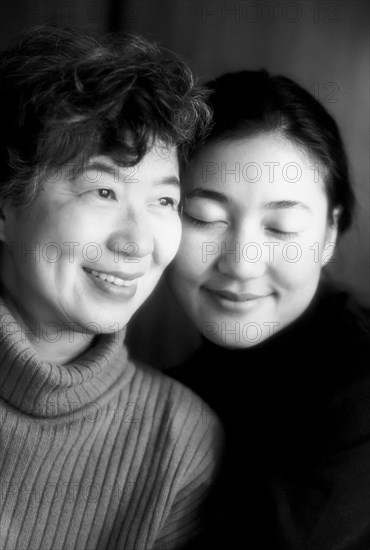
[[263, 167], [159, 163], [161, 156]]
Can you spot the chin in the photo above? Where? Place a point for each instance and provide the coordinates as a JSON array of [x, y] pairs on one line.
[[95, 324], [236, 345], [236, 333]]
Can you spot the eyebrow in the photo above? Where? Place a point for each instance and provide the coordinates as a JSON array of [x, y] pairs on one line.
[[104, 168], [220, 197], [169, 180], [277, 205], [207, 194], [113, 170]]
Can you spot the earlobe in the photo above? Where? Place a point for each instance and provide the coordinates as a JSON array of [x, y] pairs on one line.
[[331, 237]]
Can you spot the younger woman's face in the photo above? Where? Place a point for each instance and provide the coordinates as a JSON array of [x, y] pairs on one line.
[[255, 237]]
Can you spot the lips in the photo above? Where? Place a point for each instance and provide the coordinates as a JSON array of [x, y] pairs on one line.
[[236, 296]]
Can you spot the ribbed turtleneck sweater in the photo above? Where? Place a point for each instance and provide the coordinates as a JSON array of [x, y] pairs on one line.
[[100, 453]]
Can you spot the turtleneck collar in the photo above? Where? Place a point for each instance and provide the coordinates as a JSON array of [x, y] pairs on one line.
[[45, 389]]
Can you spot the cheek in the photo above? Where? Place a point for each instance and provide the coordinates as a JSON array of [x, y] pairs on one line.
[[82, 225], [167, 239], [297, 266], [191, 261], [62, 227]]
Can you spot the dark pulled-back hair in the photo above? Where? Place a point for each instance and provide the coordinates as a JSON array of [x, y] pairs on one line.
[[66, 96], [251, 102]]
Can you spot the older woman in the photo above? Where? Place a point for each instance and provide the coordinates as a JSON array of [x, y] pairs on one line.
[[95, 451]]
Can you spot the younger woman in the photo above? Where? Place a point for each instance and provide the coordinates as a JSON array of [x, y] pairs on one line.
[[285, 357]]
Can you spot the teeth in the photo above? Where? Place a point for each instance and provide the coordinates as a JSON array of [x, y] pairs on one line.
[[111, 279], [100, 275]]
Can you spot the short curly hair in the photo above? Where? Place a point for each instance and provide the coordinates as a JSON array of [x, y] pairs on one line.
[[67, 95]]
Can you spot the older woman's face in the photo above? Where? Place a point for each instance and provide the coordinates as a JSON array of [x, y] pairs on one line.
[[255, 237], [88, 252]]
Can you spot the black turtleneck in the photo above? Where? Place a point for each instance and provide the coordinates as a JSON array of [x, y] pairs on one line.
[[296, 408]]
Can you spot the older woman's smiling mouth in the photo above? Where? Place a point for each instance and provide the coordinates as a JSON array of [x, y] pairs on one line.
[[115, 278]]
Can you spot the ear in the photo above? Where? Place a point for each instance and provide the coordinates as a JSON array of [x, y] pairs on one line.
[[331, 236]]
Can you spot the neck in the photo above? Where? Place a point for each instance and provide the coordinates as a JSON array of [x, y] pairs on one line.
[[53, 343], [33, 380], [55, 346]]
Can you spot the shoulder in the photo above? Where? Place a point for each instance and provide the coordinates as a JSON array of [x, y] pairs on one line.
[[339, 328], [178, 407], [343, 322], [356, 315], [345, 353]]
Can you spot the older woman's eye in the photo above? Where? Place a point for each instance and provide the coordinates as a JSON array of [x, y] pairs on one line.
[[167, 202], [106, 194]]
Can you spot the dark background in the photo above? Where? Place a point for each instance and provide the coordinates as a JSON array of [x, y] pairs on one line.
[[324, 45]]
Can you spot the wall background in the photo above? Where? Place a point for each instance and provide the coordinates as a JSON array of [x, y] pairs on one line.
[[324, 45]]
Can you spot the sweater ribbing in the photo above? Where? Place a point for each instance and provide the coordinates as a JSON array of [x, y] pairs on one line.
[[98, 454]]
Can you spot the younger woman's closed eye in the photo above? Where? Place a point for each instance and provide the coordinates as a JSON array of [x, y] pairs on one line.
[[285, 235], [201, 223]]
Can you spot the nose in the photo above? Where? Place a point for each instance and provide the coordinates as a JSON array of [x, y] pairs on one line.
[[134, 238], [242, 255]]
